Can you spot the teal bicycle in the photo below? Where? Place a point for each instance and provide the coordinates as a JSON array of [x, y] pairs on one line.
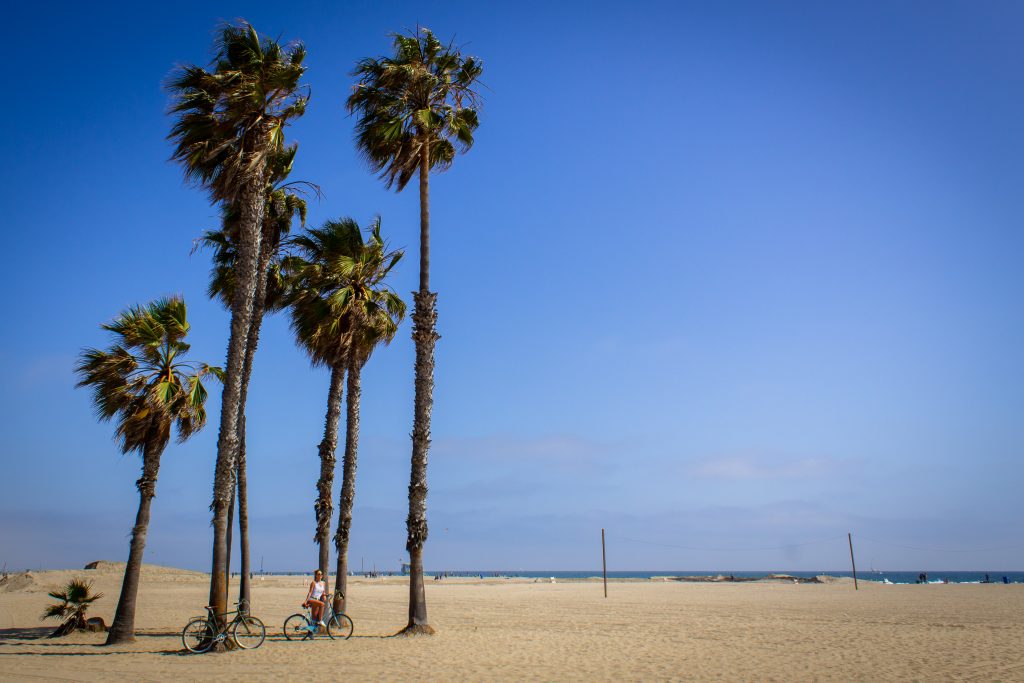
[[300, 626]]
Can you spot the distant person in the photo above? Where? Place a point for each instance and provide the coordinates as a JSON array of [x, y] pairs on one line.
[[922, 578], [1006, 579], [316, 598]]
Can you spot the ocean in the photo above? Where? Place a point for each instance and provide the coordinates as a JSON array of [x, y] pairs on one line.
[[994, 576], [878, 576]]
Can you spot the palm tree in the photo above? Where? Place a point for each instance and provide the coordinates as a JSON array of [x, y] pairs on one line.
[[143, 382], [230, 124], [342, 309], [284, 201], [75, 598], [415, 108]]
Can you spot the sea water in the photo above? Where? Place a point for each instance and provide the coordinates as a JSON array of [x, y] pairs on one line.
[[995, 576]]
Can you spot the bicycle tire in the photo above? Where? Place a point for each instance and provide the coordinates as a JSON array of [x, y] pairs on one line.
[[248, 632], [198, 635], [340, 627], [296, 627]]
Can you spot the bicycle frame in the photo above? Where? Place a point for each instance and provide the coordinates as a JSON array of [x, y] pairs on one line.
[[311, 628], [224, 624], [218, 627]]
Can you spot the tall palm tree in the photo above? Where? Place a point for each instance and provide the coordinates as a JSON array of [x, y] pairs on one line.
[[342, 309], [285, 201], [143, 382], [229, 124], [415, 109], [324, 334]]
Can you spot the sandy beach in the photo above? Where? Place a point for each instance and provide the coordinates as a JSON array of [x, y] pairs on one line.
[[508, 629]]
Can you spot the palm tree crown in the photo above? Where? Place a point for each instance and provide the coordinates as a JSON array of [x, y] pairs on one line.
[[423, 95], [76, 596], [284, 202], [340, 303], [143, 381], [231, 120]]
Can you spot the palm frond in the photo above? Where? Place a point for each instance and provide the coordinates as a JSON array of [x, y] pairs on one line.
[[338, 297], [141, 381], [230, 119], [422, 95]]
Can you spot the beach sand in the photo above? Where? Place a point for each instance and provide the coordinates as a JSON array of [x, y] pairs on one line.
[[505, 629]]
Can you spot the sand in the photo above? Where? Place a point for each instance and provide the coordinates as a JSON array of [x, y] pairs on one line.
[[517, 630]]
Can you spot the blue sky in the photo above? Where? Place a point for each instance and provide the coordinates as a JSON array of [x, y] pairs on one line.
[[719, 276]]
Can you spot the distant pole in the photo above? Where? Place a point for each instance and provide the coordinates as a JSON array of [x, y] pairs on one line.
[[604, 565], [849, 537]]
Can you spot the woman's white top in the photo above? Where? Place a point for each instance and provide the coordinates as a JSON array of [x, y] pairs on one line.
[[319, 587]]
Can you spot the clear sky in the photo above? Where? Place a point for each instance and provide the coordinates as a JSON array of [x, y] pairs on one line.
[[721, 277]]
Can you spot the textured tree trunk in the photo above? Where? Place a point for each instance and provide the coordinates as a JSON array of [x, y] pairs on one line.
[[245, 582], [231, 522], [252, 342], [425, 336], [348, 483], [123, 628], [246, 278], [425, 220], [325, 484]]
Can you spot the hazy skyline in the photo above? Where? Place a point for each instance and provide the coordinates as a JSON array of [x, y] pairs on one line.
[[725, 277]]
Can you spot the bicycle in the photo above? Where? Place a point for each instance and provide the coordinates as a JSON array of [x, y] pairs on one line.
[[300, 626], [246, 631]]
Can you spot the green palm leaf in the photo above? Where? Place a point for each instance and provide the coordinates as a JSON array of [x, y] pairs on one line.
[[422, 95], [338, 300], [142, 381]]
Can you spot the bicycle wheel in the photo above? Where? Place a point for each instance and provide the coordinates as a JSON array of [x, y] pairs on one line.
[[296, 627], [197, 636], [248, 632], [340, 627]]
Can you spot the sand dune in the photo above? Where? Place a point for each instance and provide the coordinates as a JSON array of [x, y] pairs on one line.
[[519, 630]]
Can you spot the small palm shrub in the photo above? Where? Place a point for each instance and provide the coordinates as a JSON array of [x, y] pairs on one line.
[[75, 598]]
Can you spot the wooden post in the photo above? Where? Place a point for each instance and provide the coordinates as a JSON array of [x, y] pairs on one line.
[[849, 537], [604, 565]]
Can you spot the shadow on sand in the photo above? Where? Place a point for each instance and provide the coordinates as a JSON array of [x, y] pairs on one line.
[[107, 652], [38, 636], [24, 633]]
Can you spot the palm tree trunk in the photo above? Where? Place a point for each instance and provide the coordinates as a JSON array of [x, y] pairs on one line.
[[425, 219], [348, 483], [425, 336], [325, 484], [252, 341], [245, 581], [231, 521], [246, 277], [123, 628]]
